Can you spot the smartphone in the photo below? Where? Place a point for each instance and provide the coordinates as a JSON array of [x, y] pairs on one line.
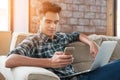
[[69, 50]]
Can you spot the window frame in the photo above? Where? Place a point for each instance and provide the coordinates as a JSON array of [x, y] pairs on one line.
[[10, 17], [110, 18], [11, 13]]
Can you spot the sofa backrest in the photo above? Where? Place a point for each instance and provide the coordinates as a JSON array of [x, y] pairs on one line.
[[101, 38], [17, 38]]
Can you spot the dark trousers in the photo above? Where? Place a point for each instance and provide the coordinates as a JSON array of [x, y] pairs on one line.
[[110, 71]]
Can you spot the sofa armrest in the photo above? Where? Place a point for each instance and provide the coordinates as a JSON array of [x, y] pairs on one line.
[[33, 73], [5, 73]]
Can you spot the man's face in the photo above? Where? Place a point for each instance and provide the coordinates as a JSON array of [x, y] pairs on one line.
[[49, 23]]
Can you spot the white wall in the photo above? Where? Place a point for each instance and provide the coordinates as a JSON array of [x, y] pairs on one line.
[[20, 15]]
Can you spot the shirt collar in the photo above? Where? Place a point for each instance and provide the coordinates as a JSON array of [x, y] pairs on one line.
[[46, 38]]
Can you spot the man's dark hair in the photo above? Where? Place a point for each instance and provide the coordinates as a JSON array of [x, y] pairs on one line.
[[49, 6]]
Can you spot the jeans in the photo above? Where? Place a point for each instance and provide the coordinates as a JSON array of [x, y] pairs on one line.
[[110, 71]]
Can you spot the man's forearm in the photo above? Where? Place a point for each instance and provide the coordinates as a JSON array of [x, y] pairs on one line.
[[15, 60], [85, 39]]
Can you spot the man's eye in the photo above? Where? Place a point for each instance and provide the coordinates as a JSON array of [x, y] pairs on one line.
[[48, 22], [56, 22]]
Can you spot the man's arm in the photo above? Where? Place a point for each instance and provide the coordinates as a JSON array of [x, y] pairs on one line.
[[58, 60], [93, 46], [15, 60]]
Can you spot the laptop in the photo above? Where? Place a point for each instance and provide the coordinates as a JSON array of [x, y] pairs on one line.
[[102, 58]]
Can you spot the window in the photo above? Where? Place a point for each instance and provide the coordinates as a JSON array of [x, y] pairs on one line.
[[118, 17], [4, 15]]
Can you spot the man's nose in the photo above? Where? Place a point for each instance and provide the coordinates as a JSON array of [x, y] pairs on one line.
[[53, 25]]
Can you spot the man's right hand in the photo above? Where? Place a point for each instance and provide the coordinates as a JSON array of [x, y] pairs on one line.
[[59, 60]]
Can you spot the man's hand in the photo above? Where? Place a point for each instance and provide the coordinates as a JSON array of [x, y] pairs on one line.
[[93, 49], [93, 46], [60, 60]]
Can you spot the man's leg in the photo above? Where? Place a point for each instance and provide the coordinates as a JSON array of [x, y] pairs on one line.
[[110, 71]]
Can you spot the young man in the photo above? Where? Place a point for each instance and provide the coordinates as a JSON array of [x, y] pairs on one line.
[[48, 45]]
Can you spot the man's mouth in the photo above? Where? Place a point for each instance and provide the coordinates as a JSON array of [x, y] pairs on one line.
[[51, 30]]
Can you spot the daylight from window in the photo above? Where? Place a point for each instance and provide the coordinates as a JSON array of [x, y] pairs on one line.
[[4, 17], [118, 18]]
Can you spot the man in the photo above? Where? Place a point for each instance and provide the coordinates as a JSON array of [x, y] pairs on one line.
[[48, 45]]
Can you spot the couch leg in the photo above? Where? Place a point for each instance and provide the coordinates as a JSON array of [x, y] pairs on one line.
[[2, 77]]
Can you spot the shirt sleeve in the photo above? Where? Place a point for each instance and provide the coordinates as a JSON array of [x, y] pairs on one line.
[[72, 37], [27, 47]]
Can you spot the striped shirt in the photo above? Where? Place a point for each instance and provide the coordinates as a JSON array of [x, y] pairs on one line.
[[41, 46]]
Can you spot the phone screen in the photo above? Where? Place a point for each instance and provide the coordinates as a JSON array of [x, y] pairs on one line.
[[69, 50]]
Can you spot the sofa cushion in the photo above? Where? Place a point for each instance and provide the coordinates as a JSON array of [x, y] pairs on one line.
[[82, 57], [116, 52]]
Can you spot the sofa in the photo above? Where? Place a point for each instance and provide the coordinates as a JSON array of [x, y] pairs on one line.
[[82, 59]]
